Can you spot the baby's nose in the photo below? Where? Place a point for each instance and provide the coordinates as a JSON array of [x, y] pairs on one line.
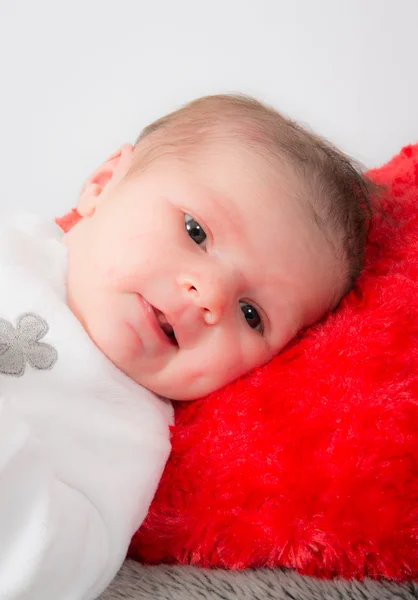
[[208, 291]]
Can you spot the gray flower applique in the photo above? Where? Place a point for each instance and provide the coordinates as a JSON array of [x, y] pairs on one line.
[[21, 344]]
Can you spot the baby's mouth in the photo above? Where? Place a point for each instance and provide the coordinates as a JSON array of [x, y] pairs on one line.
[[165, 325]]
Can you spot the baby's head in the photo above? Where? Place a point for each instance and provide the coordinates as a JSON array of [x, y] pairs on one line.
[[206, 247]]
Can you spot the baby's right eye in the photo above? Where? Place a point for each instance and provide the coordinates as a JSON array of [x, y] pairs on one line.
[[195, 231]]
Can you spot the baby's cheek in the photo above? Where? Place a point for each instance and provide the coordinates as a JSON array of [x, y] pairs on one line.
[[118, 270], [230, 360], [239, 358]]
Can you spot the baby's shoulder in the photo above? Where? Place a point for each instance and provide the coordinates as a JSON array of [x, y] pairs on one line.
[[26, 226], [30, 243]]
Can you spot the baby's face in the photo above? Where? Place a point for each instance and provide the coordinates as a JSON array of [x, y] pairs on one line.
[[188, 276]]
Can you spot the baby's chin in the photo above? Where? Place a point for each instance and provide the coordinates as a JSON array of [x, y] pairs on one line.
[[124, 352], [176, 385]]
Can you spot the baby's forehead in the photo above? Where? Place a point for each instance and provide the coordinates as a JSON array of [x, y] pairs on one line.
[[250, 178], [237, 176]]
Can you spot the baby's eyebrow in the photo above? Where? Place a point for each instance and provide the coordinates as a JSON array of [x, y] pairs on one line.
[[220, 201]]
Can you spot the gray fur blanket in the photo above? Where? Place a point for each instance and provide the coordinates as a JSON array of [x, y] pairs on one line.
[[136, 582]]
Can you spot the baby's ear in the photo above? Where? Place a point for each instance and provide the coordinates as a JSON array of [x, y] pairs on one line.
[[107, 175]]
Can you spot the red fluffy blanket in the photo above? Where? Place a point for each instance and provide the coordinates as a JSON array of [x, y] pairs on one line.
[[311, 462]]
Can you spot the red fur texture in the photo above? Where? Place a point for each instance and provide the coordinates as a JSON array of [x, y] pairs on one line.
[[311, 462]]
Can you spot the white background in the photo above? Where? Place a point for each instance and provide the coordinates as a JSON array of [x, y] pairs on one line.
[[80, 77]]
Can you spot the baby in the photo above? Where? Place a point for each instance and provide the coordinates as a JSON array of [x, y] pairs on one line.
[[206, 247], [200, 253]]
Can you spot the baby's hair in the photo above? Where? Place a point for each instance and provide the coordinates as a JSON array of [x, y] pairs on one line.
[[338, 194]]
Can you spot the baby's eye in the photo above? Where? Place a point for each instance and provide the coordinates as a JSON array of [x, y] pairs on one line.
[[251, 316], [194, 230]]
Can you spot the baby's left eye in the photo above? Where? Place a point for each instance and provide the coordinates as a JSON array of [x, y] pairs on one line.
[[195, 231], [251, 316]]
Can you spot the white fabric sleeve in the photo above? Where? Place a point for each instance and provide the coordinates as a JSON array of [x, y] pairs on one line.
[[53, 542]]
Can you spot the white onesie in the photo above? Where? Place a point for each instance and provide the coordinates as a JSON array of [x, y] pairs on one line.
[[82, 447]]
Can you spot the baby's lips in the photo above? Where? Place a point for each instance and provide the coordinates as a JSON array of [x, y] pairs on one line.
[[164, 323], [187, 324]]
